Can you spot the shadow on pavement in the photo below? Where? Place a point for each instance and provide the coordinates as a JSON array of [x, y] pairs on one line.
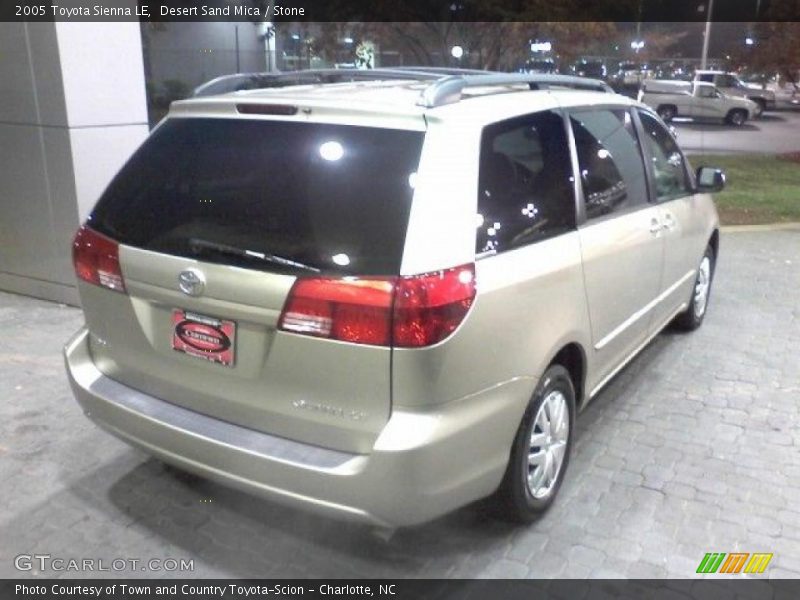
[[128, 505]]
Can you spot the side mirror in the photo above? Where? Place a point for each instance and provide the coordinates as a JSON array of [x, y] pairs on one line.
[[710, 179]]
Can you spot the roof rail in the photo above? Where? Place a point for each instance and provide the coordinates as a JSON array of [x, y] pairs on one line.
[[252, 81], [447, 90], [446, 84]]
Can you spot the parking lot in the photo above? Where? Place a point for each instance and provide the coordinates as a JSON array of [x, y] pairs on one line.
[[776, 132], [694, 448]]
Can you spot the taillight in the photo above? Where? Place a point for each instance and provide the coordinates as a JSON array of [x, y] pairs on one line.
[[96, 259], [348, 309], [414, 311], [428, 308]]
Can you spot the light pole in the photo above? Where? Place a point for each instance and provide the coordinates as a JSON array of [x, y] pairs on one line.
[[707, 36]]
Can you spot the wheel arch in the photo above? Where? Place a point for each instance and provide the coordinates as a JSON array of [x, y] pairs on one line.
[[713, 241], [572, 357]]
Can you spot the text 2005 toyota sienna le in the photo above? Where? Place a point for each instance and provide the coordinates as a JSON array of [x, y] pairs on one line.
[[385, 299]]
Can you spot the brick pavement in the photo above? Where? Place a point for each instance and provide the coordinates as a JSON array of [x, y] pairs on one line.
[[695, 447]]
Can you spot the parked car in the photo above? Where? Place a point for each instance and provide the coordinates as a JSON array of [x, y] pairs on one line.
[[786, 89], [731, 85], [590, 68], [539, 65], [700, 101], [631, 73], [676, 70], [386, 300]]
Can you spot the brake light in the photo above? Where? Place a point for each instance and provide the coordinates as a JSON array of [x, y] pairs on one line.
[[349, 309], [412, 311], [96, 259], [428, 308]]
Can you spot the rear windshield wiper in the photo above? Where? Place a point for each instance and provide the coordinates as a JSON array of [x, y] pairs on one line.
[[196, 245]]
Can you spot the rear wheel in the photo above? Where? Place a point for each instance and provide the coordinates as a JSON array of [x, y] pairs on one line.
[[736, 117], [540, 454], [693, 317], [667, 112]]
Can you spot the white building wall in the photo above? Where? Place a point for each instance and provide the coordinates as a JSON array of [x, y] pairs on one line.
[[72, 110]]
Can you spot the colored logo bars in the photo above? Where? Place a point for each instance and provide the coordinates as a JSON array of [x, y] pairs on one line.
[[736, 562]]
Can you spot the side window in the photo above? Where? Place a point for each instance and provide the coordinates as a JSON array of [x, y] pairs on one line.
[[707, 77], [610, 160], [525, 189], [706, 91], [669, 170]]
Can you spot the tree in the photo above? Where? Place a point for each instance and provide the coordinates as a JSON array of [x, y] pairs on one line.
[[776, 47], [494, 33]]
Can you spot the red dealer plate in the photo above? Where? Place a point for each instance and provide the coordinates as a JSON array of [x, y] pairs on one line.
[[204, 337]]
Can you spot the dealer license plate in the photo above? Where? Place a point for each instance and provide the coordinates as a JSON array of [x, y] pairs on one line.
[[204, 337]]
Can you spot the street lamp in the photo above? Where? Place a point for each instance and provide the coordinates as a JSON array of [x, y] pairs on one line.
[[749, 41], [457, 52], [707, 35], [637, 45]]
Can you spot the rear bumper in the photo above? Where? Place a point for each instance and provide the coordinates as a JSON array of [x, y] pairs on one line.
[[423, 464]]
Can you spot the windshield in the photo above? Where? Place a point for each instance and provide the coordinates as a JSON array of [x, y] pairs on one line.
[[267, 195]]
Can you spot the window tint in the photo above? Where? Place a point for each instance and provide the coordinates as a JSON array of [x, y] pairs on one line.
[[669, 169], [333, 197], [525, 186], [611, 166]]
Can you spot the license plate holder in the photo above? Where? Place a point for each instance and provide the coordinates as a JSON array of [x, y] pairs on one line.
[[205, 337]]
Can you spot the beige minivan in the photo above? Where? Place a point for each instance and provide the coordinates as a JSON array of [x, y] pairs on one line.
[[385, 299]]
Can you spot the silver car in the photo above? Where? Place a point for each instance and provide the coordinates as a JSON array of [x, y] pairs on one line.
[[388, 298]]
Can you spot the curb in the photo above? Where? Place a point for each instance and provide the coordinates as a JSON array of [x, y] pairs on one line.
[[766, 227]]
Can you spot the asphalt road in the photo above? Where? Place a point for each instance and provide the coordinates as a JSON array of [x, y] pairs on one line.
[[774, 133]]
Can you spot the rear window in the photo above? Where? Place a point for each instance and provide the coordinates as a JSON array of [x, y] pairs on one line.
[[267, 195]]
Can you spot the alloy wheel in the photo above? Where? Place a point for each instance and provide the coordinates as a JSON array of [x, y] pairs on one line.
[[701, 287], [548, 444]]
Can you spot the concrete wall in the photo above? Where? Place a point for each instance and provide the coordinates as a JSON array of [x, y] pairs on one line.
[[72, 110]]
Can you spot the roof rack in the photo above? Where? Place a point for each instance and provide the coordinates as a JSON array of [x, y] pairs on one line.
[[448, 89], [446, 84], [252, 81]]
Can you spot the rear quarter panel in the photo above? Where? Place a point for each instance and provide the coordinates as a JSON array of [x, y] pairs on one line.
[[530, 303]]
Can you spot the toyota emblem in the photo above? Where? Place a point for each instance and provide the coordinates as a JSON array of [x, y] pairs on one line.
[[192, 282]]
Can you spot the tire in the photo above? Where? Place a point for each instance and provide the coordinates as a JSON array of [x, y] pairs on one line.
[[667, 112], [693, 316], [522, 496], [736, 118]]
